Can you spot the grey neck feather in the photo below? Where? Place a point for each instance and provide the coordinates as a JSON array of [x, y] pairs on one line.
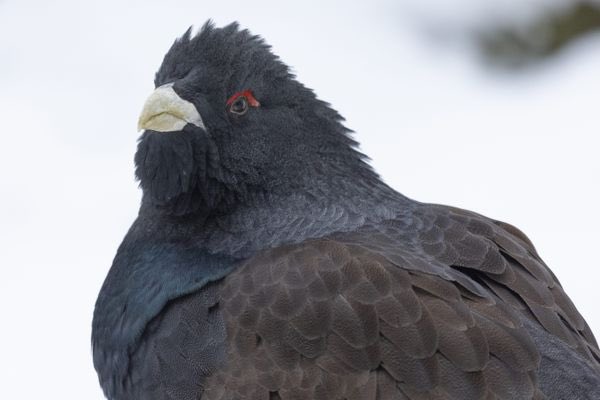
[[266, 221]]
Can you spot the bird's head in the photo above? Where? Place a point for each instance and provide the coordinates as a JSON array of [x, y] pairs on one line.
[[228, 120]]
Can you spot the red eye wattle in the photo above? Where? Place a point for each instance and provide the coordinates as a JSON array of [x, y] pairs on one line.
[[252, 102]]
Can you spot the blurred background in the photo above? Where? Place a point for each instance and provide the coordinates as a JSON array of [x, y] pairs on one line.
[[487, 105]]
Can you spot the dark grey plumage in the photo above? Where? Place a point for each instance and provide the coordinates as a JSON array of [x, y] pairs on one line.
[[268, 261]]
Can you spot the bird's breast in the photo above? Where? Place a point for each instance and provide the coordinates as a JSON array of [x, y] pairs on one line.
[[145, 277]]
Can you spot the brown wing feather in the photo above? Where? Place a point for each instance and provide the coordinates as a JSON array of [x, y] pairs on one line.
[[534, 285], [426, 308]]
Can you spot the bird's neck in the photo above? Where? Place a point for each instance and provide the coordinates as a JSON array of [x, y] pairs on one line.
[[285, 218], [268, 219]]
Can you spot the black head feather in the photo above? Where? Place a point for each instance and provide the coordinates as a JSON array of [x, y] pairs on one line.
[[293, 142]]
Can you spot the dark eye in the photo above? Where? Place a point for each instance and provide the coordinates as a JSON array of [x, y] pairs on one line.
[[239, 103], [239, 106]]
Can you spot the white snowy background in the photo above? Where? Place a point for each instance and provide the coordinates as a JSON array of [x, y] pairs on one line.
[[438, 125]]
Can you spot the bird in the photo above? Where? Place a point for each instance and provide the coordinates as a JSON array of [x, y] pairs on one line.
[[269, 260]]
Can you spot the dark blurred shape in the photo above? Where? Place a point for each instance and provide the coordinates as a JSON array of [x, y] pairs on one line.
[[522, 46]]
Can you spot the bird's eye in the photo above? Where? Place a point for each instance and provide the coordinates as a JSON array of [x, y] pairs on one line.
[[239, 106], [240, 102]]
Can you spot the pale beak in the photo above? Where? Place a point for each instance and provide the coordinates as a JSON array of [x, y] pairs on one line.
[[165, 111]]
